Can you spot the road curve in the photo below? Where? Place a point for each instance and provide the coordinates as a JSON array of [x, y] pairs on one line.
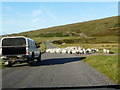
[[55, 70]]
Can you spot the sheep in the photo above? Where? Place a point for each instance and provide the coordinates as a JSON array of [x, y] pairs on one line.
[[64, 51], [52, 51], [48, 50], [81, 52], [84, 51], [88, 50], [69, 52], [77, 51], [57, 50], [97, 50], [106, 51], [63, 43], [94, 50], [73, 50]]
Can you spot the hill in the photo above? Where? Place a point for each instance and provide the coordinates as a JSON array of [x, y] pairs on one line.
[[94, 30]]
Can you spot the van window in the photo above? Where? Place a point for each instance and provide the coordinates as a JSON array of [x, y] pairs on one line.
[[34, 45], [31, 43], [13, 42]]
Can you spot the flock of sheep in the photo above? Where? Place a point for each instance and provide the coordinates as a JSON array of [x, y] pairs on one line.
[[75, 50]]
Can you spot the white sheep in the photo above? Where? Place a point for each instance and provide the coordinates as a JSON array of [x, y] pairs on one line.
[[73, 50], [84, 51], [81, 52], [64, 51], [106, 51], [88, 50], [48, 50]]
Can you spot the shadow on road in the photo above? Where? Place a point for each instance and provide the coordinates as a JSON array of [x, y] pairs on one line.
[[55, 61]]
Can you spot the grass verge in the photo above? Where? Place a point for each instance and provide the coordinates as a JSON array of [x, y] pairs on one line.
[[42, 48], [107, 65]]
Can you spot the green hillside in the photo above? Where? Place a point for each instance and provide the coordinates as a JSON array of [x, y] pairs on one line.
[[102, 30]]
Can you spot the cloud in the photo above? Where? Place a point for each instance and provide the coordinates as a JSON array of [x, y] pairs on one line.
[[36, 13]]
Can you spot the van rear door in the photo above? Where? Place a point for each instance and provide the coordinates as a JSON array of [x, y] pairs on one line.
[[13, 46]]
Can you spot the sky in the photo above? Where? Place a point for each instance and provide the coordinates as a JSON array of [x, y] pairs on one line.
[[26, 16]]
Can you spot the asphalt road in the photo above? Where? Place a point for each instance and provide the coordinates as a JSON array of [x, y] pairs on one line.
[[55, 70]]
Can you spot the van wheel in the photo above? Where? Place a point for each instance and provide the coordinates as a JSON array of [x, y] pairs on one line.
[[33, 55], [30, 63], [39, 58], [31, 60], [9, 64]]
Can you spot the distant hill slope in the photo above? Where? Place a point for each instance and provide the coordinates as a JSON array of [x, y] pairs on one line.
[[101, 27], [94, 28]]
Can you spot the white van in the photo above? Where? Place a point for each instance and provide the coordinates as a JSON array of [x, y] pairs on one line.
[[19, 49]]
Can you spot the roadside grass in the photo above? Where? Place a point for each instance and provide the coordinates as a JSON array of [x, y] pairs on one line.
[[42, 48], [107, 65]]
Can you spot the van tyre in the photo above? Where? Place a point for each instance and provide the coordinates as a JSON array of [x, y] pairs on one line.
[[30, 63], [31, 60], [39, 58], [33, 55]]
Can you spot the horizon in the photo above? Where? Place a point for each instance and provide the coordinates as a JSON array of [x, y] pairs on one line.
[[46, 15]]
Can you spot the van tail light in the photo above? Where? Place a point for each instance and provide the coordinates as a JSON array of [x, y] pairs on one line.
[[27, 53]]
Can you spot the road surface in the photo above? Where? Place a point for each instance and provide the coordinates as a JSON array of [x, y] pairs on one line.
[[55, 70]]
